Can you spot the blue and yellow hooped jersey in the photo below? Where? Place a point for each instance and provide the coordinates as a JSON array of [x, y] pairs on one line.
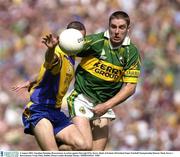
[[53, 80]]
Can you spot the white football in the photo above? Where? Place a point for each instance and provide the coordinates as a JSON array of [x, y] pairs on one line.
[[71, 41]]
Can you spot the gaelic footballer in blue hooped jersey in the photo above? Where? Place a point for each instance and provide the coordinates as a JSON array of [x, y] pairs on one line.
[[42, 116], [53, 81], [54, 78]]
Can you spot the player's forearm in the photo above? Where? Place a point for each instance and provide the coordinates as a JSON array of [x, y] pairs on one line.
[[49, 54], [121, 96], [27, 84]]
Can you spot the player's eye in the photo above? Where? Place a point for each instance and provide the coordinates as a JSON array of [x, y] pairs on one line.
[[113, 26], [122, 27]]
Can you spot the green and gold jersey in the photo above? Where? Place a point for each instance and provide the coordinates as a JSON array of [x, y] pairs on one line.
[[104, 69]]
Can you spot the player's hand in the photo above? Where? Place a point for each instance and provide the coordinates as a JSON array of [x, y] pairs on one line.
[[21, 86], [50, 41], [100, 109]]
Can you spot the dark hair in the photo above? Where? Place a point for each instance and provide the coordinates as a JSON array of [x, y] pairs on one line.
[[76, 25], [120, 15]]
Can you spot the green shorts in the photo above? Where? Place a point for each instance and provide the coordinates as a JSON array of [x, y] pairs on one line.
[[80, 105]]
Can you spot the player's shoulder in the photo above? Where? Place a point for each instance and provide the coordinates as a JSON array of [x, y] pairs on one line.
[[95, 40], [59, 51], [95, 37], [133, 48]]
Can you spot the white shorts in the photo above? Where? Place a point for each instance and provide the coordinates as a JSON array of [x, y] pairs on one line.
[[80, 105]]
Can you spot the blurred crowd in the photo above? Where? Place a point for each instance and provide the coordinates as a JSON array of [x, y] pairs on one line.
[[150, 120]]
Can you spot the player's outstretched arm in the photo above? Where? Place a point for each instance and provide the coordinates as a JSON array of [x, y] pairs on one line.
[[26, 84], [51, 42], [20, 86]]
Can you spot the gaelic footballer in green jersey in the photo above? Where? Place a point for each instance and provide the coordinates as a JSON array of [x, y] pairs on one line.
[[103, 68], [106, 77]]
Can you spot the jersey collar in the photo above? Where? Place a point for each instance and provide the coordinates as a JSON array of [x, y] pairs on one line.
[[126, 41]]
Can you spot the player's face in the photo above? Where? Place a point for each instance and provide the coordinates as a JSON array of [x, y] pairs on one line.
[[118, 30]]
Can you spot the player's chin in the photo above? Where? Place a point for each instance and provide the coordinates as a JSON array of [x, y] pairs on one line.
[[116, 41]]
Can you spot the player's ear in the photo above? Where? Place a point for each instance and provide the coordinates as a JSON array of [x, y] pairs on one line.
[[128, 28]]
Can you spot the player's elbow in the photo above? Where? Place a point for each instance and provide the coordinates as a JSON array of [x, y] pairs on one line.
[[131, 88], [133, 91]]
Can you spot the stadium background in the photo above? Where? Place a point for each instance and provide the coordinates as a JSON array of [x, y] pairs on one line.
[[150, 120]]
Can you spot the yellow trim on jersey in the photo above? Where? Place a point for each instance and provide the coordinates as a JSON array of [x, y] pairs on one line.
[[66, 75], [102, 69], [130, 79], [26, 112], [132, 73], [29, 104]]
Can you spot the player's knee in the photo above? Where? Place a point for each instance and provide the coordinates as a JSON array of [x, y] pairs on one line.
[[89, 146], [83, 145]]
